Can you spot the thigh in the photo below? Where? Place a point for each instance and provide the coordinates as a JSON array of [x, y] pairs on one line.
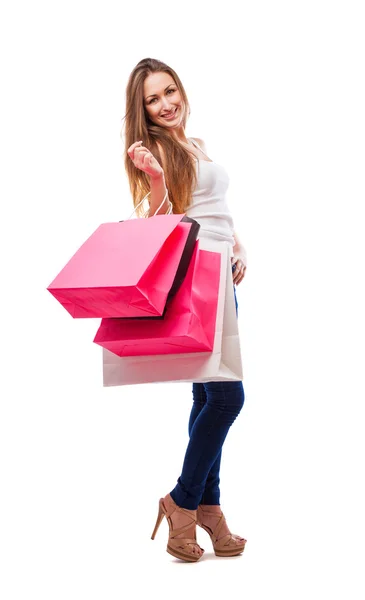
[[223, 394], [199, 394]]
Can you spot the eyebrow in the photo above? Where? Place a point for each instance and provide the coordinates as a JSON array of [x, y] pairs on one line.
[[151, 95]]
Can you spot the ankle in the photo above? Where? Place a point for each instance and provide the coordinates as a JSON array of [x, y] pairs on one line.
[[171, 502]]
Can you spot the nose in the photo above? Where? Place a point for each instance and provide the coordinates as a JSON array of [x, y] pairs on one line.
[[166, 104]]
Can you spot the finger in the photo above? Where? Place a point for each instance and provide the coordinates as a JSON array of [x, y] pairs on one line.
[[141, 148], [140, 158], [242, 276], [146, 160], [141, 152], [134, 145], [239, 279], [237, 273], [132, 148]]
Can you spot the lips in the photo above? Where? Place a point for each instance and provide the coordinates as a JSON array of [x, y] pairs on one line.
[[169, 115]]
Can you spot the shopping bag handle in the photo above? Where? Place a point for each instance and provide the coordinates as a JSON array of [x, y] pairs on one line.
[[146, 213]]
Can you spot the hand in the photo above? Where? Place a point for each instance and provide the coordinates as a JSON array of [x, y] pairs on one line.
[[239, 271], [144, 160]]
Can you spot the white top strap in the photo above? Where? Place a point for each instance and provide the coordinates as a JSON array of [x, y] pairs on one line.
[[197, 146]]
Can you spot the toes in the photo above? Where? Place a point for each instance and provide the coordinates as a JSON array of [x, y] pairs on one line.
[[241, 542], [236, 540], [198, 550]]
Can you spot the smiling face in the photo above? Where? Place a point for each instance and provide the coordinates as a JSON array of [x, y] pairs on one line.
[[163, 101]]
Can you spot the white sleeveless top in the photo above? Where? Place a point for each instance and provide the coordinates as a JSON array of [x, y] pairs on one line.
[[208, 203]]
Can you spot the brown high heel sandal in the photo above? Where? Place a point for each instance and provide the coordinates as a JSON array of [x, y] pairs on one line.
[[179, 547], [226, 545]]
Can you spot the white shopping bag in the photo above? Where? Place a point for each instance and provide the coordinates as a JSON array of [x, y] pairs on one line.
[[222, 364]]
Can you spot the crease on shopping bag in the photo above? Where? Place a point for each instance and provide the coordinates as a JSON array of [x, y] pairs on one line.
[[140, 302], [188, 250], [81, 267], [112, 359], [75, 310], [126, 351], [157, 289], [217, 344], [174, 258], [174, 241], [208, 366], [196, 332]]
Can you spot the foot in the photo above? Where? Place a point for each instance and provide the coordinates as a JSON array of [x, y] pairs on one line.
[[180, 519], [210, 520]]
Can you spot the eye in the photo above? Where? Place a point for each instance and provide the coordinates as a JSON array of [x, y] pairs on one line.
[[171, 90]]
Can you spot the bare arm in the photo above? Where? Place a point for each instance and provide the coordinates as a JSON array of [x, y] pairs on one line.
[[239, 259], [158, 192], [143, 159], [239, 251], [158, 189]]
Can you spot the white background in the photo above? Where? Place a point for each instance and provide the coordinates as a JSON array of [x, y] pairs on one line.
[[277, 93]]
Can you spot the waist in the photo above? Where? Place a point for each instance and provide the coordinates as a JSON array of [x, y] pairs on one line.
[[216, 228]]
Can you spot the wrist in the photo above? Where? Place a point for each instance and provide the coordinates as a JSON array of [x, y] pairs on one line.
[[240, 254], [159, 178]]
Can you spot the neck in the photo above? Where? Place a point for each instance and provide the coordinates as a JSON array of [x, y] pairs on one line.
[[180, 136]]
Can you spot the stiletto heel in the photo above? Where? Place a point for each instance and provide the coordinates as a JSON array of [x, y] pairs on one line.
[[160, 516], [183, 548]]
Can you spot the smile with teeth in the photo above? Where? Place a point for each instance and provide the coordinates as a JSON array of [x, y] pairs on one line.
[[169, 115]]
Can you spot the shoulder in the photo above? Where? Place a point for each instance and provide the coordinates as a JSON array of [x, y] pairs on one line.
[[201, 143]]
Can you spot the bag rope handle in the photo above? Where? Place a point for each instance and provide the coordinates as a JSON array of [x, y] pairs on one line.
[[146, 213]]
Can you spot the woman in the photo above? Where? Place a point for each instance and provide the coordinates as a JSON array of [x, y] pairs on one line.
[[164, 164]]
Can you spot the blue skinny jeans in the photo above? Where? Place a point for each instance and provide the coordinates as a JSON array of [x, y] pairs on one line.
[[215, 407]]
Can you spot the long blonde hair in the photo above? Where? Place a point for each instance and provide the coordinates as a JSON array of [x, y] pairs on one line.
[[179, 170]]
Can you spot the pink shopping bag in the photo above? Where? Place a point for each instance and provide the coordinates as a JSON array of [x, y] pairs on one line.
[[223, 363], [189, 321], [125, 269]]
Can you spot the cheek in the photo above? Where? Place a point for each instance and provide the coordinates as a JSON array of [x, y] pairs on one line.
[[183, 108], [151, 110], [178, 98]]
